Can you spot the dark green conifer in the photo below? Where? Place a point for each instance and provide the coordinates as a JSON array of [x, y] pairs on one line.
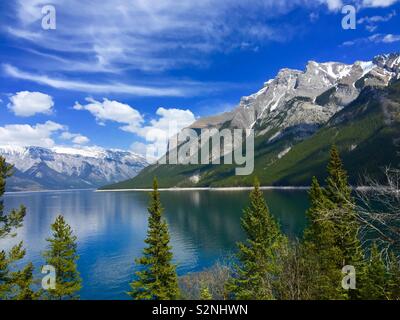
[[393, 287], [260, 256], [322, 257], [15, 284], [376, 277], [157, 279], [62, 255]]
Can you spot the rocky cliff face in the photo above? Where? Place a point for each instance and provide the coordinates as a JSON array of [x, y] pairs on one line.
[[302, 101], [297, 116]]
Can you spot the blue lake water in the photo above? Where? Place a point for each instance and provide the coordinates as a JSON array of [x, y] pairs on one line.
[[111, 227]]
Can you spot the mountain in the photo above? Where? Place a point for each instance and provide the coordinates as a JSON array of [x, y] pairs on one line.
[[39, 168], [297, 116]]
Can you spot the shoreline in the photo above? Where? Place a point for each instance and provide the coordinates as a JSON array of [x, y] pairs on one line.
[[206, 189], [287, 188], [47, 190]]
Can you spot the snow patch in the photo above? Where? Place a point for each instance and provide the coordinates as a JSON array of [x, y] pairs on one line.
[[284, 152]]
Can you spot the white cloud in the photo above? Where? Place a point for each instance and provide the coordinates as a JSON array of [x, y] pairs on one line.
[[101, 88], [26, 135], [371, 23], [111, 111], [375, 38], [155, 133], [390, 38], [76, 138], [333, 5], [26, 103], [151, 35], [378, 3]]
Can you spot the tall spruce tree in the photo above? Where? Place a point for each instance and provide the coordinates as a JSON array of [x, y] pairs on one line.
[[393, 286], [338, 192], [157, 279], [14, 284], [343, 214], [321, 255], [260, 256], [62, 255], [205, 293], [375, 286]]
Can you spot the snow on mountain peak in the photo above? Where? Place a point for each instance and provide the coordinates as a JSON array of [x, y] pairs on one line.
[[67, 167]]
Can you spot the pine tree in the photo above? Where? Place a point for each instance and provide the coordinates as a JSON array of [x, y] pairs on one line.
[[343, 215], [337, 187], [62, 255], [393, 287], [322, 257], [13, 284], [205, 293], [24, 280], [338, 191], [260, 255], [376, 280], [157, 279]]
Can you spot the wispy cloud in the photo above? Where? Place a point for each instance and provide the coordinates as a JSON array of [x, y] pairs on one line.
[[152, 35], [185, 89], [371, 22], [376, 38]]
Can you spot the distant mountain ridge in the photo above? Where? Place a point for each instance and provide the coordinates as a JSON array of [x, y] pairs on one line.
[[38, 168], [296, 110]]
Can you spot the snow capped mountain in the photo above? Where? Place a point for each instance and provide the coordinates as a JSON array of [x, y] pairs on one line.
[[296, 117], [67, 168], [302, 101]]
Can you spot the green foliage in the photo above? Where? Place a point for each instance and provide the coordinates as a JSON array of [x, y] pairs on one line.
[[205, 293], [393, 286], [259, 256], [331, 240], [320, 252], [62, 255], [341, 203], [157, 279], [14, 284], [376, 280], [14, 219]]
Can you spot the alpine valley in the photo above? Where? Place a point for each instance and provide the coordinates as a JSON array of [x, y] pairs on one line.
[[37, 168], [297, 116]]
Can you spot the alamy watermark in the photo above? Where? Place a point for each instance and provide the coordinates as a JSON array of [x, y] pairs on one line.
[[49, 280], [49, 19], [349, 280], [349, 21], [206, 146]]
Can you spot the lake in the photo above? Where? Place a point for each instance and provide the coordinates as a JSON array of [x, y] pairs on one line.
[[111, 227]]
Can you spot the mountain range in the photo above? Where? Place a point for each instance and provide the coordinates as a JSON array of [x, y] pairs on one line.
[[297, 116], [37, 168]]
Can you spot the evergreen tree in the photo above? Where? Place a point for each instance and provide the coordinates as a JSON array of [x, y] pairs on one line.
[[62, 255], [343, 215], [337, 187], [259, 256], [13, 284], [393, 287], [157, 279], [322, 257], [205, 293], [341, 204], [24, 281], [376, 280]]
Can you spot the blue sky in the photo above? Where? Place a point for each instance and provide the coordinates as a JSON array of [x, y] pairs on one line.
[[114, 74]]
